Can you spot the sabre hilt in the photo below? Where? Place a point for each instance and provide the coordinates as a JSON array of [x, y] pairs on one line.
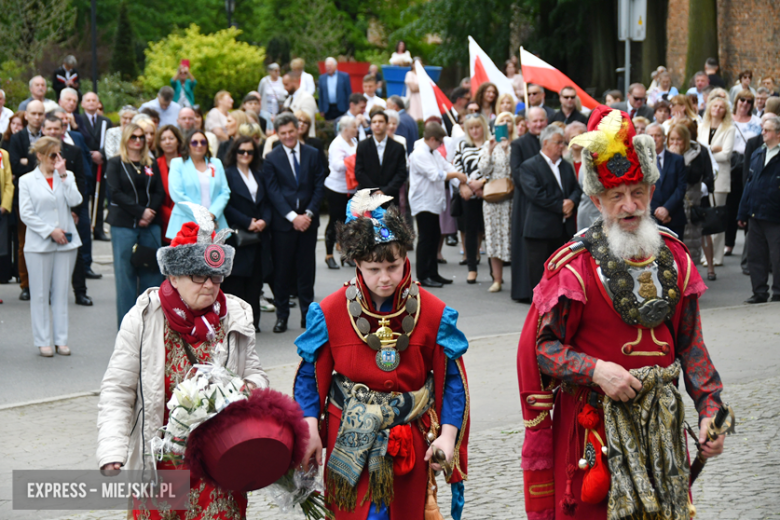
[[723, 423]]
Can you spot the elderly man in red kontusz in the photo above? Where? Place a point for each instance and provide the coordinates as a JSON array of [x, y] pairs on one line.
[[614, 322]]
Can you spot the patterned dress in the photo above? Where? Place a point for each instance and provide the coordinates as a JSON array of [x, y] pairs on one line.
[[498, 215], [207, 502]]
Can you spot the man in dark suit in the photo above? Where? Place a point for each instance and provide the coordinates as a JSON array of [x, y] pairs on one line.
[[669, 194], [522, 149], [552, 192], [536, 99], [93, 128], [568, 112], [335, 89], [460, 98], [23, 161], [407, 126], [380, 161], [52, 127], [760, 207], [635, 104], [295, 182]]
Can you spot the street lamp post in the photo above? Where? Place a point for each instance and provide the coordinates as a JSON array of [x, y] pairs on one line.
[[230, 6]]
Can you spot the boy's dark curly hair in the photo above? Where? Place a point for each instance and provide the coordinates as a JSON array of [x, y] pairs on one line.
[[357, 239]]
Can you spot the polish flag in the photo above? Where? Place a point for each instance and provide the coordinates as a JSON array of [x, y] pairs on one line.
[[434, 102], [483, 69], [542, 73]]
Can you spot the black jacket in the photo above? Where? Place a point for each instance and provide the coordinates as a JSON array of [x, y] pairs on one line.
[[544, 219], [286, 193], [574, 116], [240, 211], [670, 190], [753, 144], [20, 149], [74, 162], [131, 192], [761, 198], [390, 176]]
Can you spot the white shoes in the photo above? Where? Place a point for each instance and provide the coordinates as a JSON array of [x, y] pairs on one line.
[[496, 287]]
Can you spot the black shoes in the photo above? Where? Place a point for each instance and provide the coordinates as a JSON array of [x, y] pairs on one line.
[[758, 299], [83, 299], [281, 326], [776, 298], [92, 275], [331, 263], [430, 282], [442, 280], [350, 263], [257, 327], [101, 237], [303, 322], [452, 241], [25, 295]]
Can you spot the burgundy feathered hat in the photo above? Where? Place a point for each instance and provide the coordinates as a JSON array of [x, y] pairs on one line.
[[250, 444]]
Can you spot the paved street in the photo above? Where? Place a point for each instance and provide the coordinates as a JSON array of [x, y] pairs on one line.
[[744, 342]]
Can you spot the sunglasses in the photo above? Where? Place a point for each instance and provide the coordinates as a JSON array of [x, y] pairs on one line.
[[568, 97], [746, 100], [245, 152], [53, 156], [200, 279], [473, 116], [137, 137], [199, 142]]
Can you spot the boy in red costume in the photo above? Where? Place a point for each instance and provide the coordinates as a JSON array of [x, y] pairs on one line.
[[382, 382], [614, 321]]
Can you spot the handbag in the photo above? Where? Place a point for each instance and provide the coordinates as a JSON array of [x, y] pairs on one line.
[[349, 162], [498, 190], [246, 238], [713, 220], [456, 205], [144, 257]]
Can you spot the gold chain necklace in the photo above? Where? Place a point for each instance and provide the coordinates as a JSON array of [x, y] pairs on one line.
[[387, 343]]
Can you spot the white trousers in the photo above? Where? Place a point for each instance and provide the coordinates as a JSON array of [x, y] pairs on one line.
[[719, 240], [50, 274]]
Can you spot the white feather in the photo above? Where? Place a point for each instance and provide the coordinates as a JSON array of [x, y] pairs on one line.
[[364, 201], [203, 219]]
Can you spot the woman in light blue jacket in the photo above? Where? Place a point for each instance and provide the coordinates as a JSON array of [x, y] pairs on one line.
[[45, 197], [198, 178]]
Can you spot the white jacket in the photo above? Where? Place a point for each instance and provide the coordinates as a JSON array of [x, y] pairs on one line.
[[132, 395], [43, 209]]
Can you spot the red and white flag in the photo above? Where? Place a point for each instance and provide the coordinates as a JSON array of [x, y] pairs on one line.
[[482, 69], [434, 102], [536, 70]]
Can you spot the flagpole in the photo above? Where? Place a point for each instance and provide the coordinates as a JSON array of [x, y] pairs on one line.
[[525, 83]]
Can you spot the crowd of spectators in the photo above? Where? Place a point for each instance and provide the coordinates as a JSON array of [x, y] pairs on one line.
[[261, 170]]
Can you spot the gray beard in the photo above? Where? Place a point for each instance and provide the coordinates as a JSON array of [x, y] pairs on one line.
[[644, 242]]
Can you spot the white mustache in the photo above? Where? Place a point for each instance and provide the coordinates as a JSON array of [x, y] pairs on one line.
[[637, 213]]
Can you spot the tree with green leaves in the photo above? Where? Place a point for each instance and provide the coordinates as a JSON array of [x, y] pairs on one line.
[[218, 61], [123, 60], [30, 26]]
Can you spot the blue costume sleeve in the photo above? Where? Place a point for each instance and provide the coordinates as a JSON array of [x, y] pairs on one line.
[[316, 334], [455, 345], [454, 341], [309, 343], [306, 390]]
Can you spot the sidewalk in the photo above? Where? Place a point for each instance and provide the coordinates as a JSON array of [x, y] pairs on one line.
[[740, 484]]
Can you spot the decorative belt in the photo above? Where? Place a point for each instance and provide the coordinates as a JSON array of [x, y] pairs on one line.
[[343, 388]]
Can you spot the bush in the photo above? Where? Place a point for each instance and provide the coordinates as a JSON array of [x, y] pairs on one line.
[[115, 93], [217, 61], [12, 82]]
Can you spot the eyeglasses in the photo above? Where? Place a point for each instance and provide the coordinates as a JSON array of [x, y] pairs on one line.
[[473, 116], [199, 142], [137, 137], [53, 156], [533, 93], [568, 97], [245, 152], [200, 279]]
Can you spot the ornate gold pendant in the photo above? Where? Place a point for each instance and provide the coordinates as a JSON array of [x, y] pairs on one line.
[[388, 359]]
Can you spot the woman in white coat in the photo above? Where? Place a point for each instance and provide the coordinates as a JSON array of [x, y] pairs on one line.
[[187, 320], [717, 132], [51, 243]]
